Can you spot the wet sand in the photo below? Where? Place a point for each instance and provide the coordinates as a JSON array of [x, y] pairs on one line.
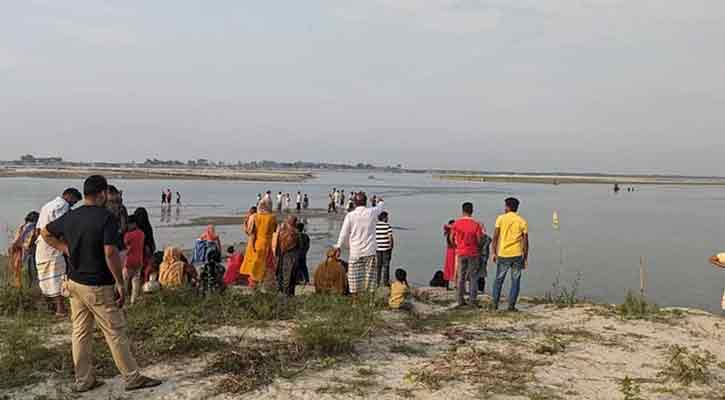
[[227, 220], [157, 173], [583, 179]]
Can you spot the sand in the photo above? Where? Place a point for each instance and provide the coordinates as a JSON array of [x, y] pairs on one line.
[[583, 179], [158, 173], [599, 350]]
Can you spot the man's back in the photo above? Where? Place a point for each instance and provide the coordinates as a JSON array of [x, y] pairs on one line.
[[51, 211], [467, 234], [87, 230], [512, 228], [359, 228]]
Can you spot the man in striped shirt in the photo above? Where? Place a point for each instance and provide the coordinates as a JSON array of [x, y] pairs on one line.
[[384, 240]]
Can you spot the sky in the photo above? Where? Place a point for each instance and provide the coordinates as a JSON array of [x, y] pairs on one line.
[[621, 86]]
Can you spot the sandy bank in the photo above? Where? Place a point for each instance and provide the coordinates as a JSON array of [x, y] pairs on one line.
[[227, 220], [544, 352], [582, 179], [158, 173]]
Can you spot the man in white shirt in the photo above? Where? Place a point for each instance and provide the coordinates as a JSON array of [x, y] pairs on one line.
[[280, 196], [299, 201], [51, 262], [358, 232]]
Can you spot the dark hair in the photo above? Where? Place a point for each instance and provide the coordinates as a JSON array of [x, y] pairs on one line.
[[360, 200], [383, 216], [300, 227], [132, 220], [512, 203], [157, 258], [253, 209], [401, 276], [230, 250], [213, 255], [452, 221], [32, 216], [143, 223], [94, 185], [113, 190], [467, 208], [73, 192]]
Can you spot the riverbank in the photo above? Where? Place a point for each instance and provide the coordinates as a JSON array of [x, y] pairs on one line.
[[244, 345], [228, 220], [158, 173], [582, 179]]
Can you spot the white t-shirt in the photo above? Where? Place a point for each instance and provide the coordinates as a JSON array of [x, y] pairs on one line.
[[721, 258], [358, 230], [49, 213]]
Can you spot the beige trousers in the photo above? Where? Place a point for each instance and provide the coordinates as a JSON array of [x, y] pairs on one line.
[[132, 283], [97, 303]]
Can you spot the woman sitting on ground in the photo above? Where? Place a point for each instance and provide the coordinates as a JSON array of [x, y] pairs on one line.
[[175, 271], [330, 276], [210, 235]]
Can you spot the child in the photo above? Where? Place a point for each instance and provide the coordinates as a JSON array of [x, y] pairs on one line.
[[134, 241], [400, 294], [212, 273]]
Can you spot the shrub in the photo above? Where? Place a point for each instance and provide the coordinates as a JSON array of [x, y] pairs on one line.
[[686, 367], [14, 301], [637, 307]]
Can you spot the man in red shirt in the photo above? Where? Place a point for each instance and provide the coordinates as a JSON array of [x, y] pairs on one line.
[[134, 241], [467, 235]]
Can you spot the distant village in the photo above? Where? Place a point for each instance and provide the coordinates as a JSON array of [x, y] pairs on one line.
[[29, 160]]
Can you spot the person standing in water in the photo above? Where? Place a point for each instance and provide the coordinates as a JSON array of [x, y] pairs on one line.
[[178, 198], [299, 201], [163, 197], [306, 202], [510, 251]]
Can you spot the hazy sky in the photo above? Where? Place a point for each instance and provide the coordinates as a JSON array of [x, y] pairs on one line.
[[596, 85]]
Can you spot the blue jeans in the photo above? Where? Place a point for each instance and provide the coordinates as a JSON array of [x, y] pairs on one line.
[[468, 270], [503, 265]]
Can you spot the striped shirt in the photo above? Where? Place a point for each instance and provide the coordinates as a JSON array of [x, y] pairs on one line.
[[383, 236]]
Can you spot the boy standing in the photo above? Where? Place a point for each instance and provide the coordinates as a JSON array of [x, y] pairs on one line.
[[467, 236]]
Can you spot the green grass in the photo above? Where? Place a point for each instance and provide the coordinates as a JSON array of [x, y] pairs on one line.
[[637, 307], [686, 367]]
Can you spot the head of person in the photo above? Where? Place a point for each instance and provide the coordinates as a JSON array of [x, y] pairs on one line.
[[230, 250], [512, 204], [300, 227], [265, 206], [32, 217], [132, 224], [157, 258], [72, 196], [401, 276], [467, 208], [95, 190], [291, 221], [383, 217], [142, 218], [252, 210], [269, 192], [172, 255], [360, 200]]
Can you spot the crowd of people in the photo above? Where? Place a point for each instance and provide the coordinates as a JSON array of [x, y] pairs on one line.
[[99, 256], [284, 201]]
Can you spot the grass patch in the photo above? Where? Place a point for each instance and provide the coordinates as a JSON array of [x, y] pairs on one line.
[[630, 389], [686, 367], [637, 307], [562, 294]]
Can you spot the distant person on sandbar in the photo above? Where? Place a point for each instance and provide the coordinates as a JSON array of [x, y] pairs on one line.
[[163, 197], [467, 235], [178, 198], [299, 202], [510, 251], [258, 258], [280, 198], [306, 202], [342, 198], [358, 233]]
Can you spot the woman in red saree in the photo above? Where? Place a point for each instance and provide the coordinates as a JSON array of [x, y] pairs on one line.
[[449, 267]]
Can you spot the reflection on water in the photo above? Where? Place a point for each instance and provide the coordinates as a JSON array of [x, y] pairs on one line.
[[601, 235]]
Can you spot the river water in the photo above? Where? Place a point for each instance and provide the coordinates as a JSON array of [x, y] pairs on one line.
[[602, 236]]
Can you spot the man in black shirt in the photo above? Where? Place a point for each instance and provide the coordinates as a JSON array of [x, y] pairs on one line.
[[89, 236]]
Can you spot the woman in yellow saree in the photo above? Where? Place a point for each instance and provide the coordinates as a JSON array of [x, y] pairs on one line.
[[259, 250]]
